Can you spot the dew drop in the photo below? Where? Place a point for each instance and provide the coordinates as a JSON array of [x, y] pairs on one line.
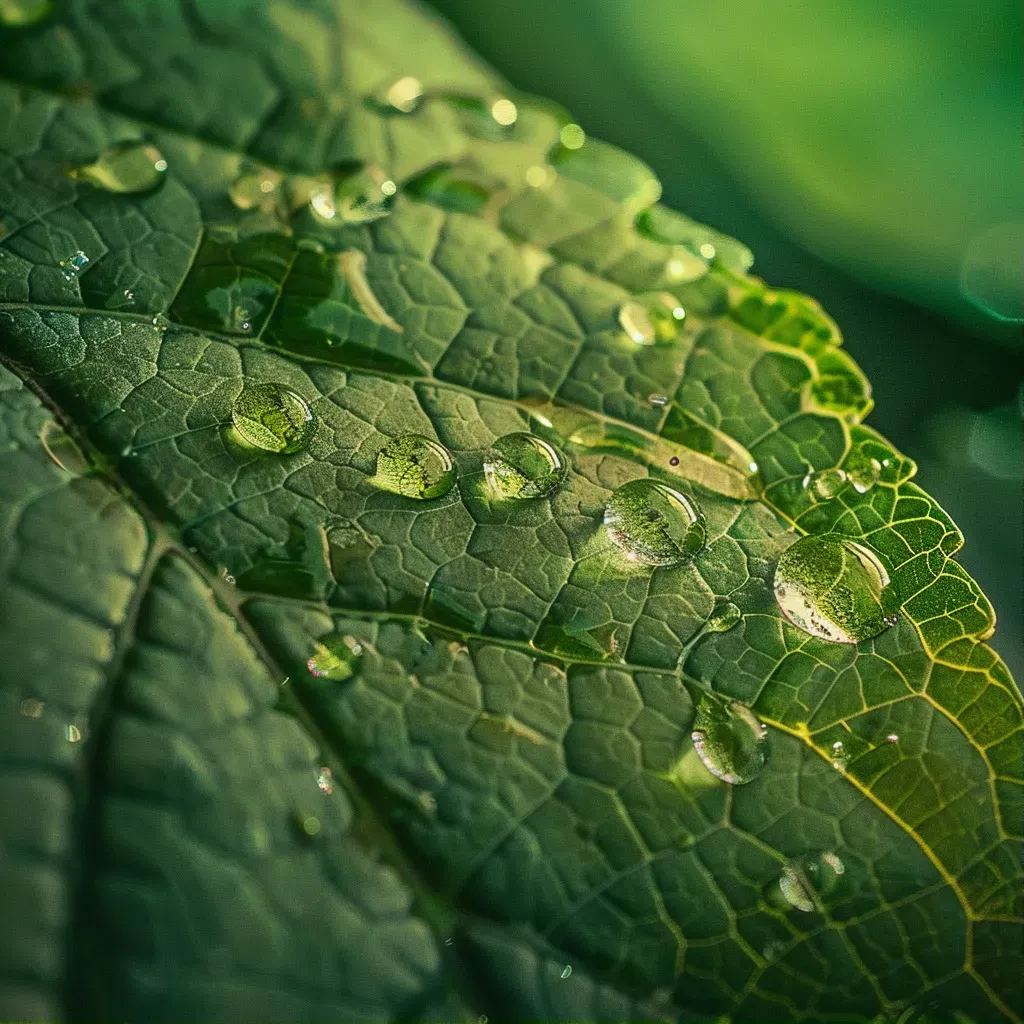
[[325, 779], [729, 740], [834, 589], [522, 465], [566, 971], [804, 882], [840, 758], [636, 322], [654, 523], [658, 400], [862, 471], [796, 889], [273, 417], [336, 657], [358, 195], [723, 618], [74, 265], [255, 190], [403, 96], [683, 266], [20, 13], [416, 467], [893, 737], [572, 136], [307, 825], [504, 111], [823, 484], [652, 318], [73, 733], [125, 167]]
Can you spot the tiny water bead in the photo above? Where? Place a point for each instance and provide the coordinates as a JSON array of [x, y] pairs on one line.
[[416, 467], [273, 417], [651, 319], [729, 740], [522, 465], [20, 13], [840, 758], [336, 658], [358, 195], [862, 471], [654, 523], [74, 265], [723, 618], [824, 484], [835, 589], [125, 167], [805, 881]]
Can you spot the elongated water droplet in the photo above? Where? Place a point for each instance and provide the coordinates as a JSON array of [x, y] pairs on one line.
[[336, 657], [654, 523], [823, 484], [273, 417], [659, 401], [257, 190], [796, 888], [862, 470], [566, 971], [524, 466], [804, 882], [834, 589], [724, 617], [460, 189], [19, 13], [401, 97], [840, 758], [125, 167], [652, 318], [636, 322], [74, 265], [416, 467], [358, 195], [729, 740]]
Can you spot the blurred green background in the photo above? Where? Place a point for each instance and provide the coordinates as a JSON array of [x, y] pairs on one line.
[[870, 153]]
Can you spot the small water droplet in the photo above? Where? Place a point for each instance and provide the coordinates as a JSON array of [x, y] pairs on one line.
[[522, 465], [20, 13], [416, 467], [652, 318], [325, 779], [572, 136], [893, 737], [73, 733], [255, 190], [862, 470], [636, 322], [654, 523], [683, 266], [32, 708], [358, 195], [729, 740], [504, 111], [74, 264], [307, 825], [336, 657], [840, 758], [273, 417], [707, 250], [403, 96], [805, 881], [226, 576], [566, 971], [540, 176], [835, 589], [724, 617], [125, 167], [823, 484], [658, 400], [796, 889]]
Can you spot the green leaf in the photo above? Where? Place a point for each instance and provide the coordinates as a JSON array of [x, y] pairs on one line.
[[284, 744]]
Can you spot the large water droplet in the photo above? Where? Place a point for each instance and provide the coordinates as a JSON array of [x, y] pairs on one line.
[[729, 740], [273, 417], [336, 658], [654, 523], [358, 195], [823, 484], [834, 589], [523, 466], [19, 13], [723, 618], [74, 265], [459, 189], [862, 470], [416, 467], [125, 167]]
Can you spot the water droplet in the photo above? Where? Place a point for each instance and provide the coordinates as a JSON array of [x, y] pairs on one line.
[[336, 657], [707, 250], [325, 778], [652, 318], [273, 417], [654, 523], [74, 264], [796, 889], [307, 825], [823, 484], [658, 400], [729, 740], [523, 466], [73, 733], [572, 136], [803, 882], [226, 576], [415, 466], [683, 266], [19, 13], [460, 189], [893, 737], [636, 322], [862, 470], [540, 176], [449, 942], [358, 195], [256, 190], [32, 708], [840, 758], [402, 97], [125, 167], [63, 449], [834, 589], [723, 618], [566, 971], [504, 111]]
